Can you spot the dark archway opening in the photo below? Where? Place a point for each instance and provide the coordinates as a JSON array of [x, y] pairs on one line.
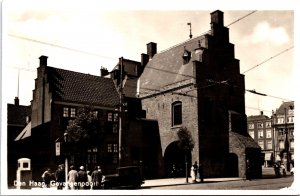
[[232, 169], [174, 161]]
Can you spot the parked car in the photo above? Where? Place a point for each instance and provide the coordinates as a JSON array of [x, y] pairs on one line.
[[125, 177]]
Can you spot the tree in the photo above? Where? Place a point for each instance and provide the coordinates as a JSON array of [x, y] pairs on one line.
[[83, 130], [186, 143]]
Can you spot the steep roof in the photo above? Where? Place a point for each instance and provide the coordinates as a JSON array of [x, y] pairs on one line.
[[243, 140], [167, 67], [287, 105], [78, 87], [16, 114], [257, 117]]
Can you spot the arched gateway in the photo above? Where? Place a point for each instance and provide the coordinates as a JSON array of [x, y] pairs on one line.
[[174, 158]]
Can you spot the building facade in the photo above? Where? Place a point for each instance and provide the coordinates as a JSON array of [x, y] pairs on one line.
[[261, 129], [58, 97], [18, 117], [284, 133], [275, 134], [197, 84]]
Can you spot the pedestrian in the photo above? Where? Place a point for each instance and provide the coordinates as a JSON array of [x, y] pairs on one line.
[[248, 170], [200, 169], [96, 178], [60, 177], [173, 171], [195, 170], [81, 178], [277, 170], [89, 180], [47, 177], [282, 167], [72, 178]]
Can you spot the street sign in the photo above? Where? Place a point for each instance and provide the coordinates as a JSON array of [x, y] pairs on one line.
[[57, 148]]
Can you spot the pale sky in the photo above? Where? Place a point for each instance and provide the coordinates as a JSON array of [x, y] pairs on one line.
[[93, 34]]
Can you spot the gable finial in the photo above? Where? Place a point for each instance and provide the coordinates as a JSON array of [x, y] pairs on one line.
[[190, 24]]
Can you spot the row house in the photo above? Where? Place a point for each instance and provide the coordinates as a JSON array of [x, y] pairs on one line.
[[275, 134], [261, 129], [197, 84], [284, 132]]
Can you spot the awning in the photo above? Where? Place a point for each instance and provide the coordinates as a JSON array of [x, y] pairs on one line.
[[268, 156], [26, 132]]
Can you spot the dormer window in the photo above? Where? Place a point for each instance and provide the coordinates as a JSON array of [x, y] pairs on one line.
[[186, 56]]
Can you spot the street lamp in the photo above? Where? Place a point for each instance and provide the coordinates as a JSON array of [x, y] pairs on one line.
[[66, 159], [273, 122], [286, 142]]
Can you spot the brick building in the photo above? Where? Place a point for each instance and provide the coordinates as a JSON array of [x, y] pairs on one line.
[[18, 117], [284, 132], [57, 98], [275, 134], [261, 129], [197, 84]]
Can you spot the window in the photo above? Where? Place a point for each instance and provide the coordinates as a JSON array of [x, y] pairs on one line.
[[261, 133], [292, 144], [95, 114], [281, 144], [115, 158], [261, 144], [290, 119], [268, 124], [268, 133], [291, 132], [269, 144], [176, 113], [73, 113], [112, 117], [66, 112], [115, 147], [116, 117], [109, 116], [251, 133], [115, 128], [280, 120], [186, 56], [109, 147], [260, 125], [251, 126], [281, 132]]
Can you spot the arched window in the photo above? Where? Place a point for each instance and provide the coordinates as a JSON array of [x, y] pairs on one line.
[[176, 113]]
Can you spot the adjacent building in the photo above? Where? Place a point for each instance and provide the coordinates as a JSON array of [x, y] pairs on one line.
[[275, 134], [18, 118], [261, 129]]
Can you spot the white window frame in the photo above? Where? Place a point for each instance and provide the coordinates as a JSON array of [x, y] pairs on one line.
[[65, 112], [260, 133], [268, 133]]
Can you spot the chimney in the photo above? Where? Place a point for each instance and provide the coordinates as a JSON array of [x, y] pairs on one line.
[[43, 60], [261, 113], [217, 17], [103, 71], [17, 102], [144, 59], [151, 49]]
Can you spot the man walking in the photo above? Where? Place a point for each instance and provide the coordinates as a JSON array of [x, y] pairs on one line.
[[96, 178]]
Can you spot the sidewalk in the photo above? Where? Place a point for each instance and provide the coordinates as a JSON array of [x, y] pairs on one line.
[[182, 181]]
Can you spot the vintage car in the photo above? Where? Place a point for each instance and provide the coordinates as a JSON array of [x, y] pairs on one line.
[[125, 177]]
